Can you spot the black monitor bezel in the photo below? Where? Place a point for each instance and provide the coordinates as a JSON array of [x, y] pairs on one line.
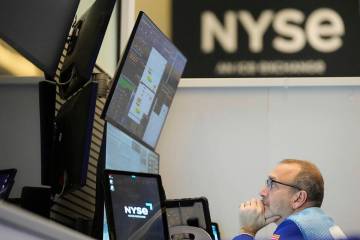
[[119, 69], [108, 201]]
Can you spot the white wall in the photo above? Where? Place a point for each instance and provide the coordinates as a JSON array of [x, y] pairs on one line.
[[222, 142], [20, 131]]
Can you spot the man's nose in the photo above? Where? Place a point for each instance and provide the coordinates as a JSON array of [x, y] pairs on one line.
[[264, 191]]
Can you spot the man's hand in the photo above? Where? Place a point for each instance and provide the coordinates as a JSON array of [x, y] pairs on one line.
[[252, 216]]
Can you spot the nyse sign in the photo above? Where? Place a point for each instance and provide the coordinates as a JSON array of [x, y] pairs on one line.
[[287, 23], [286, 38]]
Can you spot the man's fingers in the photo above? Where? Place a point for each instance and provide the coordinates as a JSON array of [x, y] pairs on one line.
[[242, 206], [259, 204], [245, 204], [252, 215], [253, 203]]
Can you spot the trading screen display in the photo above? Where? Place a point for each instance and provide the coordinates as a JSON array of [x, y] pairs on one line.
[[136, 207], [145, 83], [126, 154]]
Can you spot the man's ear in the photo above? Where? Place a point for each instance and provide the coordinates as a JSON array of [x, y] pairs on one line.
[[299, 199]]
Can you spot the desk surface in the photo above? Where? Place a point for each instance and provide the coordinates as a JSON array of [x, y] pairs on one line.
[[16, 223]]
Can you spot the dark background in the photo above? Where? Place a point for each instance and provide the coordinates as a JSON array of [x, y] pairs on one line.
[[186, 35]]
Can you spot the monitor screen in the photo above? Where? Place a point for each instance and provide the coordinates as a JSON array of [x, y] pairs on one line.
[[145, 83], [135, 205], [124, 153], [215, 231], [6, 182]]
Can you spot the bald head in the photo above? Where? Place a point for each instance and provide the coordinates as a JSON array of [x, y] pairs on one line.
[[308, 178]]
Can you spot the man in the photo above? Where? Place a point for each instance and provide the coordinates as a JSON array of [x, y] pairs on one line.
[[291, 198]]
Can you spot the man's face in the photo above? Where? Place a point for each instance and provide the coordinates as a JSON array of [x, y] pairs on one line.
[[277, 199]]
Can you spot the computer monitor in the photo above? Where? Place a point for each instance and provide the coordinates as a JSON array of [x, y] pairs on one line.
[[7, 179], [215, 231], [189, 212], [145, 83], [122, 152], [85, 42], [38, 29], [125, 153], [135, 204], [72, 140]]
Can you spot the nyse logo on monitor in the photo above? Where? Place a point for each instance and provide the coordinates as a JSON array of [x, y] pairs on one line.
[[138, 212]]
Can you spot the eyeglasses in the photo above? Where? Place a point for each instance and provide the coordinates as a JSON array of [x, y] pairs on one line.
[[270, 183]]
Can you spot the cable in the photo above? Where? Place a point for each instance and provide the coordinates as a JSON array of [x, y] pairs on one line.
[[48, 81]]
